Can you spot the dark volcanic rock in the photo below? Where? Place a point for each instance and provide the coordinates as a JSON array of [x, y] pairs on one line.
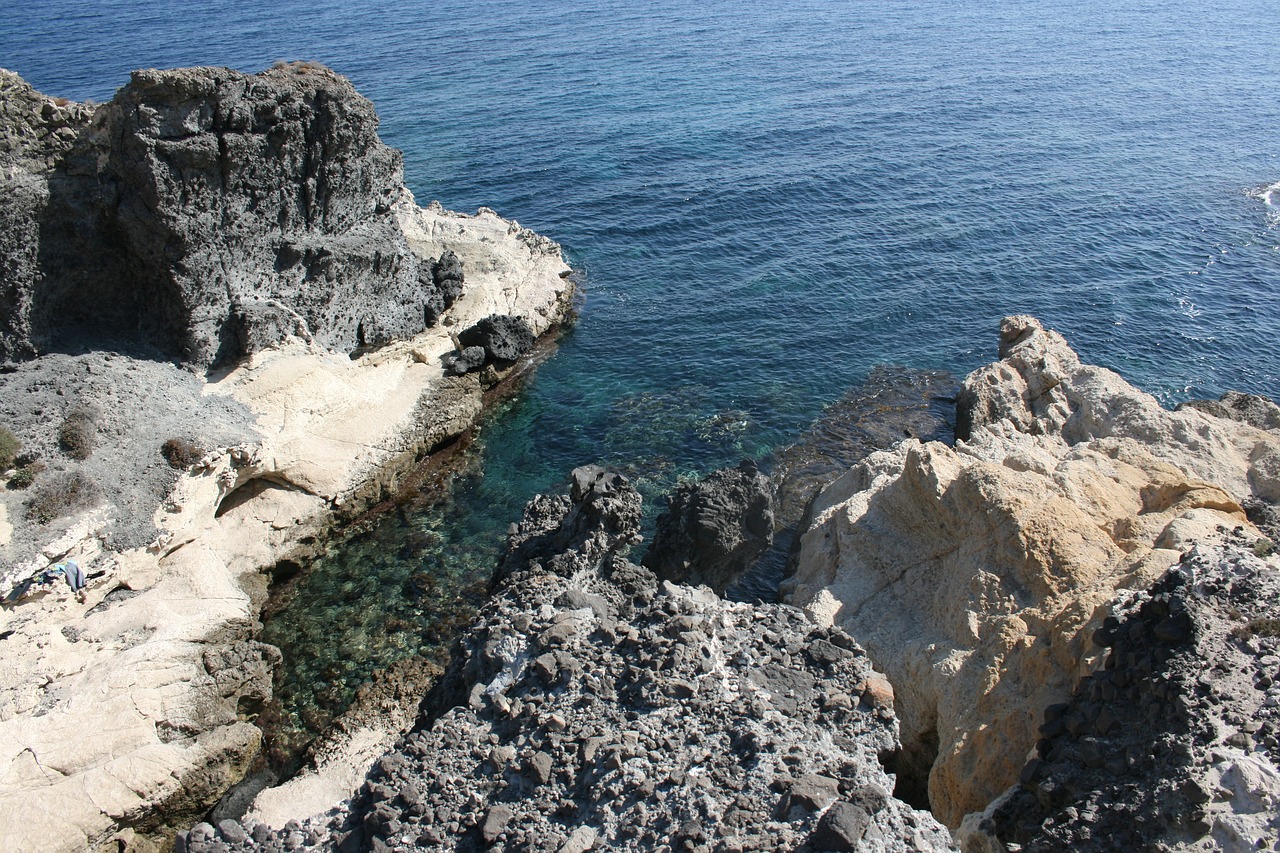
[[208, 213], [1265, 516], [1251, 409], [712, 530], [464, 361], [1176, 737], [444, 287], [504, 338], [592, 708]]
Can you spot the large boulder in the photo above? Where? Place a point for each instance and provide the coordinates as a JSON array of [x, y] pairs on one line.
[[503, 337], [713, 529], [207, 214], [975, 575]]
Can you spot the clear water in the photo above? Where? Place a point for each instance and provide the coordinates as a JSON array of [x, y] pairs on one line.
[[769, 198]]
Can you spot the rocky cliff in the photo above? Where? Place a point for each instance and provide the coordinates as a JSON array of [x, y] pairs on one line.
[[975, 576], [592, 707], [207, 214]]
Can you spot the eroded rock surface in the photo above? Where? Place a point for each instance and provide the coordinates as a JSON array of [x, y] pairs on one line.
[[592, 707], [1173, 743], [713, 529], [207, 214], [975, 575]]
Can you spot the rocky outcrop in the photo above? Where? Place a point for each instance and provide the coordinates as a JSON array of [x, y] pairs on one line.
[[592, 707], [890, 404], [976, 575], [503, 339], [1172, 743], [118, 713], [1246, 408], [713, 529], [208, 214]]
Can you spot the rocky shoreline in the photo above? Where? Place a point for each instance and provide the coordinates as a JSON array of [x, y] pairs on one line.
[[125, 716], [1058, 632], [594, 705]]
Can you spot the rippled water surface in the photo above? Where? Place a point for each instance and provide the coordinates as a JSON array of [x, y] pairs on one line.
[[769, 198]]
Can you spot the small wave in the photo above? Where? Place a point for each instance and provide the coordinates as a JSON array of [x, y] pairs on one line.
[[1269, 195]]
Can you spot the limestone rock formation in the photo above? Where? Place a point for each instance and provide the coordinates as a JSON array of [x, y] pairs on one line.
[[975, 575], [713, 529], [208, 214], [591, 707]]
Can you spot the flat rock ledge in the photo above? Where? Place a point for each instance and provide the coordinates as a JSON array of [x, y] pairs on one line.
[[128, 713], [592, 707], [977, 575]]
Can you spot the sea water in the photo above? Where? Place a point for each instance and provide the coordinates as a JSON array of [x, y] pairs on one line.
[[767, 199]]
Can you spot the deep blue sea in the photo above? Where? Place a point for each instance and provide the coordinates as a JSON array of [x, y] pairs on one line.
[[769, 198]]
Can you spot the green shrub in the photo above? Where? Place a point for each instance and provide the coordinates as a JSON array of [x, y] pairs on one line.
[[181, 453], [9, 447], [26, 475], [78, 434], [60, 495]]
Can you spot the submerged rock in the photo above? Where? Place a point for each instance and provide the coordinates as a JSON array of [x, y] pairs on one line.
[[975, 575], [592, 707]]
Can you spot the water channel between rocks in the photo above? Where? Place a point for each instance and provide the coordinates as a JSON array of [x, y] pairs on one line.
[[402, 583]]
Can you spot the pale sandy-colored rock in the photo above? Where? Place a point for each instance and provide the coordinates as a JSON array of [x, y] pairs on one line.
[[975, 575], [113, 708], [331, 778]]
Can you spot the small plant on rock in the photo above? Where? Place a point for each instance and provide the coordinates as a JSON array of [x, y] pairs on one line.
[[26, 475], [181, 453], [61, 494], [78, 434], [9, 447]]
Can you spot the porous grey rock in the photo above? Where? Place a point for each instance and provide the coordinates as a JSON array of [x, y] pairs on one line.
[[445, 285], [713, 529], [464, 361], [504, 338], [207, 213], [688, 722], [1172, 744]]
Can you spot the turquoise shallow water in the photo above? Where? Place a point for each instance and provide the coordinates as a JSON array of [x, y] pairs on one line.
[[770, 198]]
